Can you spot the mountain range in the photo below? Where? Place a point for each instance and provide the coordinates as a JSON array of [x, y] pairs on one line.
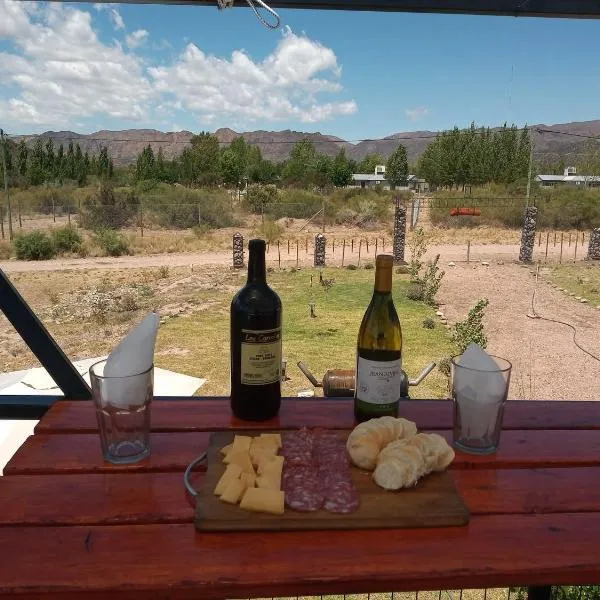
[[125, 145]]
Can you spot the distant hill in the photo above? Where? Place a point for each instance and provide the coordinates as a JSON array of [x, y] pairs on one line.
[[125, 145]]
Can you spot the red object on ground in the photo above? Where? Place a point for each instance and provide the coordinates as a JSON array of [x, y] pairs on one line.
[[466, 212]]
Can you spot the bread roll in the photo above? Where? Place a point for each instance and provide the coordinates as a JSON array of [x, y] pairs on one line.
[[368, 439], [403, 462]]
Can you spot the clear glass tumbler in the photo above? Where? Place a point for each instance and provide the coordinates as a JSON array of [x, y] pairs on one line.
[[123, 413], [479, 397]]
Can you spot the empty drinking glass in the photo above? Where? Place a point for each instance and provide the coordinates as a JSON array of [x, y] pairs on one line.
[[479, 394], [123, 413]]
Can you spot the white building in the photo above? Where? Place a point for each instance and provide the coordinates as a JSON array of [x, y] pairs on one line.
[[569, 177], [369, 181]]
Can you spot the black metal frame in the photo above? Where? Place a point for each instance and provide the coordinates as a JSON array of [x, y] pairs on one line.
[[47, 351]]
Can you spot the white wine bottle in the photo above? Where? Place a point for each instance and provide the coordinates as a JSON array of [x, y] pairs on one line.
[[379, 350]]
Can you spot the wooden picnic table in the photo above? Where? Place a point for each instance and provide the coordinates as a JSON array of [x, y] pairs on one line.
[[73, 526]]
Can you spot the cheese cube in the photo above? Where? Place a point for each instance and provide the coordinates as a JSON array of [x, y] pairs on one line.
[[263, 500], [275, 465], [249, 479], [225, 450], [234, 492], [242, 459], [231, 472], [274, 437], [269, 482]]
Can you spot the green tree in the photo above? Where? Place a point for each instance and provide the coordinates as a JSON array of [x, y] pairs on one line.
[[369, 162], [36, 171], [103, 169], [341, 172], [241, 150], [231, 168], [49, 163], [205, 154], [59, 164], [160, 167], [145, 165], [397, 167], [70, 162], [323, 171], [80, 173], [22, 154], [300, 168]]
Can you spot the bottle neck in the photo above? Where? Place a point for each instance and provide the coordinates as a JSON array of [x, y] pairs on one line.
[[383, 280], [257, 272]]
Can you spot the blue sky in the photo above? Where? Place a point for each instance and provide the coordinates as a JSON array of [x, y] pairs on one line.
[[87, 67]]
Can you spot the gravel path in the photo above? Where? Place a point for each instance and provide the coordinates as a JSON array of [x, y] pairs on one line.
[[546, 363]]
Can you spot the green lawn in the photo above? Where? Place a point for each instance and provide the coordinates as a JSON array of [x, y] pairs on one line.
[[327, 341], [583, 280]]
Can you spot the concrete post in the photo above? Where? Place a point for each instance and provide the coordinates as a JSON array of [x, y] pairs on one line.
[[528, 234], [238, 251], [320, 250], [399, 233], [594, 245]]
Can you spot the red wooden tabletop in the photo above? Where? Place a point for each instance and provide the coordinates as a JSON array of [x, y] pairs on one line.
[[72, 526]]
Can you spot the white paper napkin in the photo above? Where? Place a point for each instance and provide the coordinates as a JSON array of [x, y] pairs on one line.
[[133, 355], [479, 392]]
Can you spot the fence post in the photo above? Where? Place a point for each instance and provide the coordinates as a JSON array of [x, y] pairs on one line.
[[383, 244], [306, 244], [569, 239], [141, 220], [343, 251], [333, 246], [288, 246], [319, 260], [238, 250], [359, 249], [2, 220], [68, 215], [278, 255], [554, 240], [528, 234], [199, 215], [582, 238], [540, 239], [547, 240], [576, 243], [353, 245], [562, 237], [593, 246], [53, 209], [376, 244], [468, 251], [367, 242], [297, 254], [19, 213]]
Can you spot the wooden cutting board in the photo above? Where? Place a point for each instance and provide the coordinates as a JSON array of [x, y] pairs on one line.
[[434, 502]]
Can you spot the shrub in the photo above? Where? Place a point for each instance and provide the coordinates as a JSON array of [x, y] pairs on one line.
[[270, 231], [260, 197], [35, 245], [369, 266], [112, 243], [67, 239], [403, 270], [471, 329], [163, 272], [345, 216], [5, 250], [428, 323], [109, 208], [431, 280], [351, 267], [295, 203], [415, 292], [418, 248], [444, 366]]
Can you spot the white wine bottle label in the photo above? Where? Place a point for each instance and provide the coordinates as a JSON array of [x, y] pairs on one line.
[[378, 382], [261, 356]]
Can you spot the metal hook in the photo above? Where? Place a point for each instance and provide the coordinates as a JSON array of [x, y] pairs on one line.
[[260, 17]]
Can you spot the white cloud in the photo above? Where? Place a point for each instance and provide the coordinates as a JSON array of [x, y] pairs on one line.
[[64, 73], [113, 13], [282, 86], [137, 38], [414, 114]]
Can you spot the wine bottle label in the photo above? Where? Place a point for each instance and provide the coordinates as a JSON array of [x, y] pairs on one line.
[[378, 382], [261, 356]]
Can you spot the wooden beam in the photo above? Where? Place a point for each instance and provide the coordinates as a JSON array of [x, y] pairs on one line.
[[571, 9]]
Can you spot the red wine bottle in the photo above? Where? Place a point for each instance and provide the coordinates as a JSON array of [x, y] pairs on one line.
[[256, 343]]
